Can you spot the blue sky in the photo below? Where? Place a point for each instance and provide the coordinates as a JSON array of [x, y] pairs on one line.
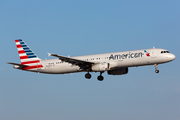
[[88, 27]]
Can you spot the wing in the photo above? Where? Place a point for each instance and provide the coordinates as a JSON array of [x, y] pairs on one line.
[[81, 63]]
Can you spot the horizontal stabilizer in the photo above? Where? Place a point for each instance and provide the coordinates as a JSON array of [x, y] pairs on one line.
[[20, 65]]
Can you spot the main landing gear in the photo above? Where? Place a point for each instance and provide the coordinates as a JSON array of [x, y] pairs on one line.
[[157, 71], [88, 76], [100, 77]]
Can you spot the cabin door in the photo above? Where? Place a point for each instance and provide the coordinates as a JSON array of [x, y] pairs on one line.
[[153, 53]]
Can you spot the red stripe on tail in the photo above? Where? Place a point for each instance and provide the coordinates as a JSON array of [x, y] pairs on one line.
[[16, 40], [30, 62], [19, 46], [21, 51], [32, 67], [23, 57]]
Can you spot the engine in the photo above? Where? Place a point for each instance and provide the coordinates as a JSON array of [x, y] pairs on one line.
[[118, 71], [100, 67]]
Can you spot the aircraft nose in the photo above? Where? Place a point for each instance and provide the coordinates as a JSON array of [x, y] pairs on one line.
[[171, 56]]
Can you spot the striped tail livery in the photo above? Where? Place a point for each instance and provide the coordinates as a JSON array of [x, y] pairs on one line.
[[29, 60]]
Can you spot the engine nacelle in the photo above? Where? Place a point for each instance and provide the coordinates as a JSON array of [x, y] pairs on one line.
[[118, 71], [100, 67], [112, 65]]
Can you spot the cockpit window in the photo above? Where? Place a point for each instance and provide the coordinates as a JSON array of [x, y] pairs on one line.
[[164, 51]]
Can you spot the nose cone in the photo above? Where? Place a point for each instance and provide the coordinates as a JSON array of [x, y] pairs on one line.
[[171, 57]]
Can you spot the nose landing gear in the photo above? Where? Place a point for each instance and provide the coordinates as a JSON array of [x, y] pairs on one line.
[[157, 71]]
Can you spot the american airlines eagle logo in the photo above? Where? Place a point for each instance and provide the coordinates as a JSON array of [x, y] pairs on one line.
[[147, 54]]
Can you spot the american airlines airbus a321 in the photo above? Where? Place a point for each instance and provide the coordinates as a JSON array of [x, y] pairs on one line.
[[115, 63]]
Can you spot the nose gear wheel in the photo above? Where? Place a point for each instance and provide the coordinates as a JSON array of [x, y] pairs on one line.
[[157, 71]]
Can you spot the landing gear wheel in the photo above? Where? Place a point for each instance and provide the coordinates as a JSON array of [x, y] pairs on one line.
[[88, 76], [100, 78], [157, 71]]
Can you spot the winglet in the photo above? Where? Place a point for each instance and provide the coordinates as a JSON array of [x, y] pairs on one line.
[[49, 54]]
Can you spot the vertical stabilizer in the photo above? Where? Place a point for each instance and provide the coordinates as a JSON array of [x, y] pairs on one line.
[[27, 56]]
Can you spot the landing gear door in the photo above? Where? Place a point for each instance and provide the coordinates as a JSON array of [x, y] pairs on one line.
[[153, 53]]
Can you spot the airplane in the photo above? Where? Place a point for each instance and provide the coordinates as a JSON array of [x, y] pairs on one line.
[[115, 63]]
